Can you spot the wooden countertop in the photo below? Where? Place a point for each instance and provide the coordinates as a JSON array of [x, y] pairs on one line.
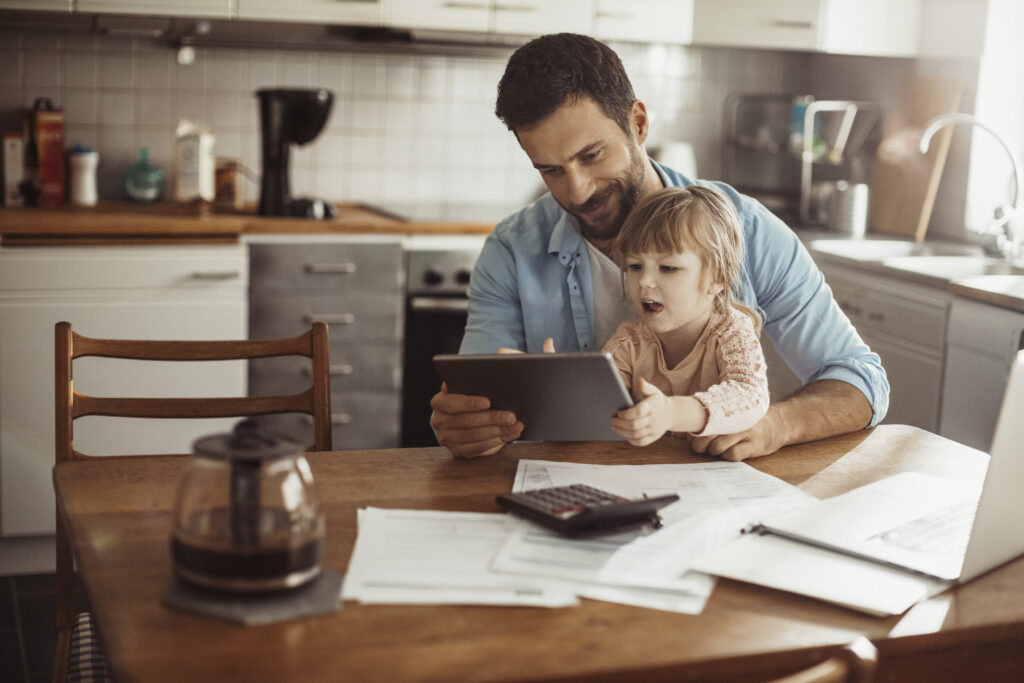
[[120, 222]]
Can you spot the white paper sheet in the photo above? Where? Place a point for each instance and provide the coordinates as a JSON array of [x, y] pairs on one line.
[[434, 557]]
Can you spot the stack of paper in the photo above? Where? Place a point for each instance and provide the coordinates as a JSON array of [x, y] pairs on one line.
[[414, 556]]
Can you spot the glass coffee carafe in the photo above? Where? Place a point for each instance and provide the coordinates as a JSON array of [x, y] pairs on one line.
[[246, 515]]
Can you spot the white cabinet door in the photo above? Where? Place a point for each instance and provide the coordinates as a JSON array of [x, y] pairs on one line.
[[217, 9], [441, 15], [780, 24], [886, 28], [358, 12], [536, 17], [117, 293], [915, 382], [647, 21], [982, 343]]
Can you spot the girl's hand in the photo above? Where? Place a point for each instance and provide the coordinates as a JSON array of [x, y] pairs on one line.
[[646, 421]]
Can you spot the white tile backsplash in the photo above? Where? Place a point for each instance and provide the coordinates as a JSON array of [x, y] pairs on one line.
[[405, 127]]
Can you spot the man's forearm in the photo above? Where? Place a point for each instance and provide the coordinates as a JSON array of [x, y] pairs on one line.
[[819, 410]]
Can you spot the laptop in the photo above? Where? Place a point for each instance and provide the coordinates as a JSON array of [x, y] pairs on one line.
[[569, 396], [911, 525]]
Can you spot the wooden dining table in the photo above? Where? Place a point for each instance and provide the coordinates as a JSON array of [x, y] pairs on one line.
[[118, 513]]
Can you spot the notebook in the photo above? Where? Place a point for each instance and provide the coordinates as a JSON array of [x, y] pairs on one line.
[[922, 533]]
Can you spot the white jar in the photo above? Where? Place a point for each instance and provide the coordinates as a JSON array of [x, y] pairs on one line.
[[83, 177]]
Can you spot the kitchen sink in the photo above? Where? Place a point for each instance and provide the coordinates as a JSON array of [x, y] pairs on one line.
[[885, 250], [953, 267]]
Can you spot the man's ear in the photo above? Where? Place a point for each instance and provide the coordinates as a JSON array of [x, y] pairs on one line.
[[640, 121]]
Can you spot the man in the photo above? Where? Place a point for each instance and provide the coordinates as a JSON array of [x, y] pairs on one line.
[[545, 273]]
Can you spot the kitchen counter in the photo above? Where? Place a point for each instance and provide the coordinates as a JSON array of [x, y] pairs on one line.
[[111, 222], [933, 264]]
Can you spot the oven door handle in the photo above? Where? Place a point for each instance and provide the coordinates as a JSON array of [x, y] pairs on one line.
[[438, 304]]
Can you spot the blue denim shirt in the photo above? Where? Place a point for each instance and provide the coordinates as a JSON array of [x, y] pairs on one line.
[[533, 281]]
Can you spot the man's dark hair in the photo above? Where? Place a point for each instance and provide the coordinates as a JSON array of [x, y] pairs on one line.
[[561, 68]]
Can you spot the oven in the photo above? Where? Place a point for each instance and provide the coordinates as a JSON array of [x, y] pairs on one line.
[[437, 285]]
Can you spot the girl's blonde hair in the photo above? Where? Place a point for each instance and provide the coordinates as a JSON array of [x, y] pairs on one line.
[[694, 218]]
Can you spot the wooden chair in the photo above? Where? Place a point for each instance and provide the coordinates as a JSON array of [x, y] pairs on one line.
[[855, 663], [70, 404]]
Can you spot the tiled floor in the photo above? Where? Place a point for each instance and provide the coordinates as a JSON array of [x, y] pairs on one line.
[[27, 630]]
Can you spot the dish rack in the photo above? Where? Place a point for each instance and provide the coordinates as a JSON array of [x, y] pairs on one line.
[[788, 149]]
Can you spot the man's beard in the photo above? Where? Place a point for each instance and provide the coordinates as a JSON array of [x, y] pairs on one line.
[[630, 187]]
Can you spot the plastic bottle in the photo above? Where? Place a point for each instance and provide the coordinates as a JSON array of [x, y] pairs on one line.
[[83, 163]]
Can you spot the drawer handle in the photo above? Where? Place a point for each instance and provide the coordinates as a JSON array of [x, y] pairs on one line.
[[515, 8], [790, 23], [330, 268], [215, 275], [336, 419], [330, 318], [464, 5], [850, 308], [877, 317], [334, 369]]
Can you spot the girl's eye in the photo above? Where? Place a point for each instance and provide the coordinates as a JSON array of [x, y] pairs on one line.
[[632, 266], [668, 269]]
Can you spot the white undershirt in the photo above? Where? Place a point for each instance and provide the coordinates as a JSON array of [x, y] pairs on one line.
[[611, 307]]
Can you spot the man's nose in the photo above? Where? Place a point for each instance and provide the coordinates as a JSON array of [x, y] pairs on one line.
[[580, 186]]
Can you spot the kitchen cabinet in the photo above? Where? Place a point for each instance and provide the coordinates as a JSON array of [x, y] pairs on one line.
[[862, 27], [355, 285], [145, 292], [353, 12], [982, 343], [528, 17], [215, 9], [647, 21], [905, 324]]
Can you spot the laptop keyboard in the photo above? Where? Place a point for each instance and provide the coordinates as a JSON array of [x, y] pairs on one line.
[[943, 532]]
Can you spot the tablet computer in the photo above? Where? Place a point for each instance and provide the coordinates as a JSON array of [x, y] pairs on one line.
[[558, 396]]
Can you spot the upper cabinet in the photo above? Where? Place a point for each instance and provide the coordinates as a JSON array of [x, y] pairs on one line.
[[864, 27], [355, 12], [648, 21], [214, 9], [492, 16], [51, 5]]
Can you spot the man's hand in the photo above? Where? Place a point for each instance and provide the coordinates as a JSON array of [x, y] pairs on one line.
[[764, 438], [467, 426], [821, 409]]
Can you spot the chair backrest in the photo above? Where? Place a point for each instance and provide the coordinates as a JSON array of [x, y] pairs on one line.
[[70, 404], [315, 401]]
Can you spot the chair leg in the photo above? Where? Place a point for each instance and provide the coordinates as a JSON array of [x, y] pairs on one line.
[[64, 593]]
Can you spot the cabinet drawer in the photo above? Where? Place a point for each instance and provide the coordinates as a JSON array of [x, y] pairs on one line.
[[329, 266], [123, 269], [353, 368], [365, 317], [359, 420]]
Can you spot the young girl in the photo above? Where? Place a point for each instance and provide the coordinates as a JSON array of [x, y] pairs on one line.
[[692, 361]]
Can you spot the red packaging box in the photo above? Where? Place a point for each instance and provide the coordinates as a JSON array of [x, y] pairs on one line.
[[48, 130]]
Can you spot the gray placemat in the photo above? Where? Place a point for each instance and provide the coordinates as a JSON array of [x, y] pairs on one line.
[[322, 594]]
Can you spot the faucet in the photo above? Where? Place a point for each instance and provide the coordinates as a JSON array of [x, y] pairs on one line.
[[1008, 226]]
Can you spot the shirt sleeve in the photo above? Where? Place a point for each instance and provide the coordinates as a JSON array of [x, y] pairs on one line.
[[802, 319], [741, 397], [495, 316]]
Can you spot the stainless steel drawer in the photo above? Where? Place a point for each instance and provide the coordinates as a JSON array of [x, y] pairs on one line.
[[350, 318], [373, 367], [332, 266], [357, 421]]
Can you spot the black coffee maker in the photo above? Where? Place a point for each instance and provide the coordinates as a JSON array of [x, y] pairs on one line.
[[290, 115]]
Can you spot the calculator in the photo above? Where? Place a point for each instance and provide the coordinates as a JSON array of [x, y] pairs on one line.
[[579, 510]]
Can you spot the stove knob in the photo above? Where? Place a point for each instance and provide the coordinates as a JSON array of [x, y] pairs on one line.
[[462, 276], [433, 277]]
